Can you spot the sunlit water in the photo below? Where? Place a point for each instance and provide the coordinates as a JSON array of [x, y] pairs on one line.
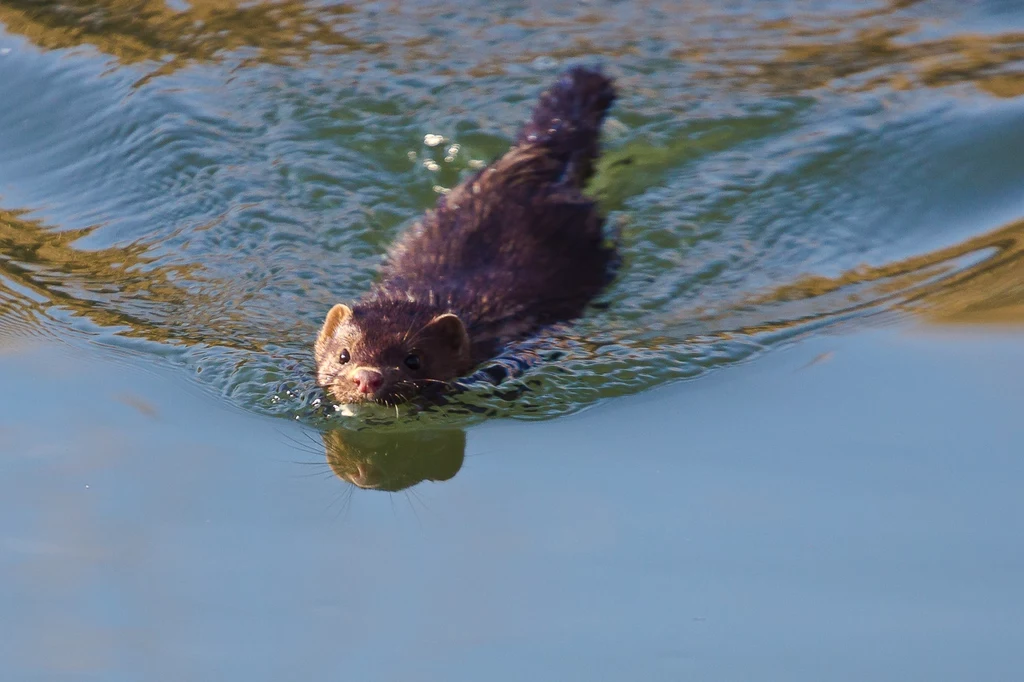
[[822, 220]]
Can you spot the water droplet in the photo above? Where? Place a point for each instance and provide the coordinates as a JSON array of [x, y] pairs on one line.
[[544, 63]]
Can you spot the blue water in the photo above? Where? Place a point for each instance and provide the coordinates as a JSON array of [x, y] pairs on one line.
[[785, 445]]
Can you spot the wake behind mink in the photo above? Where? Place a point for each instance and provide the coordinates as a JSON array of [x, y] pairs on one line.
[[512, 249]]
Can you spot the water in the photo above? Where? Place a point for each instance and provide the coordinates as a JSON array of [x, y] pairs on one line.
[[795, 458]]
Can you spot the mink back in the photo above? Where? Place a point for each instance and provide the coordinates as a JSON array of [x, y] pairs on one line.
[[516, 246]]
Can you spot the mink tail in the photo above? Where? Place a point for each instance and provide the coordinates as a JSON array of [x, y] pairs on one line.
[[567, 121]]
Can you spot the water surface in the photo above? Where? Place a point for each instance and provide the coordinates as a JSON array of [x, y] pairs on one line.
[[761, 483]]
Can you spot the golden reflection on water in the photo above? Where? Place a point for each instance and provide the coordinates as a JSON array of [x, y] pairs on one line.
[[865, 51], [980, 280], [860, 49], [41, 267], [989, 293], [392, 461], [200, 30]]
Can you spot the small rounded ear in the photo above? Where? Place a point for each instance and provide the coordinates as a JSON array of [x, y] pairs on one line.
[[335, 318], [449, 328]]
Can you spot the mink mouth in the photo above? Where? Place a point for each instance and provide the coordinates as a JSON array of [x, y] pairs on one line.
[[386, 398], [406, 392]]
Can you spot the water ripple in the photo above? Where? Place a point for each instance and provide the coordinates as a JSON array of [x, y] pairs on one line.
[[203, 204]]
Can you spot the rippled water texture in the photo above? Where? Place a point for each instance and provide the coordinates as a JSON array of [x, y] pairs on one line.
[[196, 183]]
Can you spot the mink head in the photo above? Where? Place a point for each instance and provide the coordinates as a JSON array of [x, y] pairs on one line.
[[389, 352]]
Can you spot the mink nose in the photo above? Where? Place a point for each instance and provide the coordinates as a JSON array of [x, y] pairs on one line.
[[367, 380]]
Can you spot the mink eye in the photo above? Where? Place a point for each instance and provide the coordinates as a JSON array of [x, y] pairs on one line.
[[412, 361], [344, 357]]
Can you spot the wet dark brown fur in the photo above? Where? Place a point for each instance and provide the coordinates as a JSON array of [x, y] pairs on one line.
[[512, 249]]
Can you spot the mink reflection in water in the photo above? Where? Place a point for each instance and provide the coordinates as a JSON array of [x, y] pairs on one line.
[[394, 460]]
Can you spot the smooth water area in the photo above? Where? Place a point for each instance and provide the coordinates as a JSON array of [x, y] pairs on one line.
[[784, 445]]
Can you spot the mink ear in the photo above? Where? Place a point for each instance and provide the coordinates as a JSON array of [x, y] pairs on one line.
[[449, 327], [337, 316]]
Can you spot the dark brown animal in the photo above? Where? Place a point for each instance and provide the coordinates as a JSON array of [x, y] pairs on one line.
[[512, 249]]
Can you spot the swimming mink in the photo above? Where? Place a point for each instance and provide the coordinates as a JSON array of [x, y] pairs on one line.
[[513, 248]]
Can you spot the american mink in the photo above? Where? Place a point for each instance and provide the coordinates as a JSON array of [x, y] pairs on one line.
[[513, 248]]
